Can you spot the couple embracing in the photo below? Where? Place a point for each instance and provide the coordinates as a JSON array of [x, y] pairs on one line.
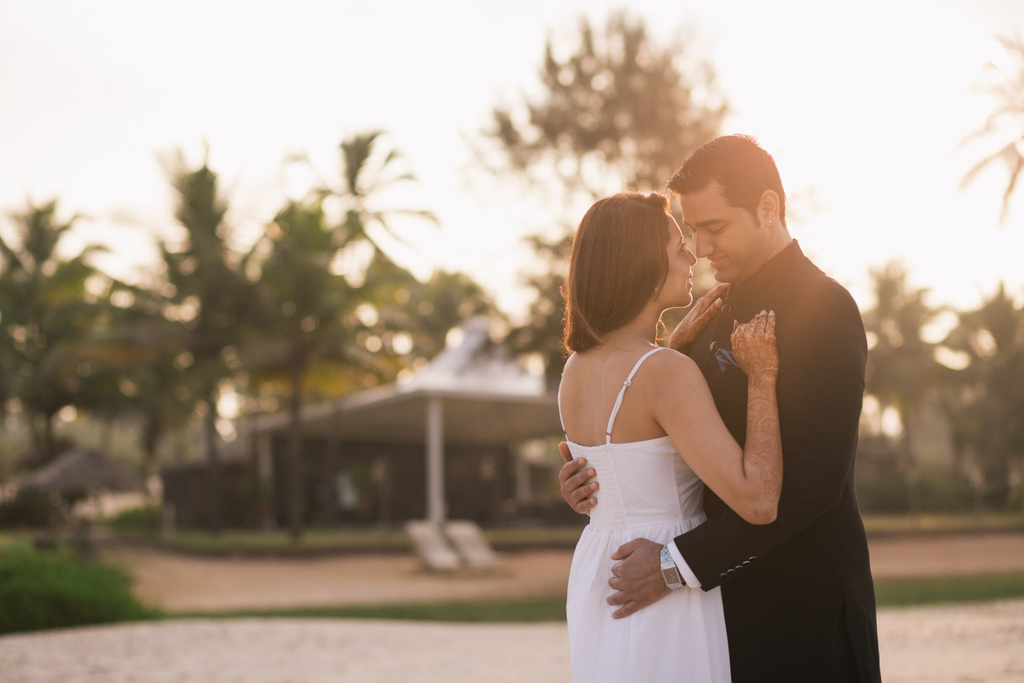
[[725, 542]]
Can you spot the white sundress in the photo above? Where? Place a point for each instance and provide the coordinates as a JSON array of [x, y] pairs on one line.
[[646, 491]]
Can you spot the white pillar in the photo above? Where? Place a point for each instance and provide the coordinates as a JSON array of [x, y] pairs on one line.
[[435, 461]]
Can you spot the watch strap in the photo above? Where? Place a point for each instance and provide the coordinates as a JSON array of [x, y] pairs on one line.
[[669, 570]]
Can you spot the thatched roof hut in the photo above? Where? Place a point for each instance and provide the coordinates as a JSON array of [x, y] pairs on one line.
[[78, 473]]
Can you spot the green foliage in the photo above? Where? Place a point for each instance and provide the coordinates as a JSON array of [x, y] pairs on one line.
[[212, 298], [878, 524], [901, 365], [934, 490], [309, 303], [985, 409], [550, 608], [46, 315], [616, 111], [948, 589], [889, 495], [888, 593], [58, 590], [144, 518], [29, 509]]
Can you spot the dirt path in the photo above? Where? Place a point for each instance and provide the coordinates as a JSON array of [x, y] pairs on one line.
[[180, 582]]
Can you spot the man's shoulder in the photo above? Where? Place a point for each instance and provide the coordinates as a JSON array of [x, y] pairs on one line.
[[813, 286]]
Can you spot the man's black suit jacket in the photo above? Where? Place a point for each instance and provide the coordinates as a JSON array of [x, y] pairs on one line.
[[799, 599]]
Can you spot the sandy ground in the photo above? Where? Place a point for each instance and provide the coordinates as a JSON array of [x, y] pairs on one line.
[[935, 644], [180, 582]]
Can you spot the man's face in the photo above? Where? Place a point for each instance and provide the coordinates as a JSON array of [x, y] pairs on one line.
[[730, 238]]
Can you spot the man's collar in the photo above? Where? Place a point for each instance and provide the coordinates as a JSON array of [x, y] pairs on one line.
[[775, 268]]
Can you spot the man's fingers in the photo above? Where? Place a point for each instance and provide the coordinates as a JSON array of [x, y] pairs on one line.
[[574, 482], [563, 450], [622, 552], [569, 469], [580, 479], [627, 609], [618, 598]]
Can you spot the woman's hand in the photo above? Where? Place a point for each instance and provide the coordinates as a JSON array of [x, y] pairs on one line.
[[753, 345], [697, 318]]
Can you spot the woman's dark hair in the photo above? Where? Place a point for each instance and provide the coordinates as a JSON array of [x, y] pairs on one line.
[[618, 259], [739, 165]]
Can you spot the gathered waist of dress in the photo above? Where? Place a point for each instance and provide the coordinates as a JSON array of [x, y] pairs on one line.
[[615, 524]]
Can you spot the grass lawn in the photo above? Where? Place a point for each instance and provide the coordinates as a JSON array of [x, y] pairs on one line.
[[889, 593], [335, 541]]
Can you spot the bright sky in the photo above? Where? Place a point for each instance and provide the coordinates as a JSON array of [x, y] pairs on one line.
[[864, 104]]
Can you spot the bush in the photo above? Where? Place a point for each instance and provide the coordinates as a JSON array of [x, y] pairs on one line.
[[890, 495], [58, 590], [141, 519], [28, 510], [935, 491]]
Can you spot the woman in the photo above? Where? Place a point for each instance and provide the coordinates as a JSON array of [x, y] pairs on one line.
[[632, 409]]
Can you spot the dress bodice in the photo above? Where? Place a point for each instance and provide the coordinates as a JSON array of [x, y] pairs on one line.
[[641, 483]]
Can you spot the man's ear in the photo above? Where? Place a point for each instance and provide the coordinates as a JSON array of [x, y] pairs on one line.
[[768, 208]]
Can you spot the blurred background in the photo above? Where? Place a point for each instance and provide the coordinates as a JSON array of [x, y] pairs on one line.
[[259, 261]]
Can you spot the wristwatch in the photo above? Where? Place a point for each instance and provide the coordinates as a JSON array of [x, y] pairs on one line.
[[669, 570]]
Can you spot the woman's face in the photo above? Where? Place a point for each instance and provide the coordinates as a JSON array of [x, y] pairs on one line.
[[677, 290]]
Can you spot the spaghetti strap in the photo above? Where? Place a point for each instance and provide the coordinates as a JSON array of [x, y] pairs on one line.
[[618, 399], [558, 400]]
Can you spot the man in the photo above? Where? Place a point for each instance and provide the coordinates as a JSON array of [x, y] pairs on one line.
[[798, 595]]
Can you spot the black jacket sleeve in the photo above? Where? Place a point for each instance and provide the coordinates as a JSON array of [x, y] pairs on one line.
[[822, 352]]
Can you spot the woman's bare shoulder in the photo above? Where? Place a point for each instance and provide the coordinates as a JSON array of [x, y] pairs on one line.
[[671, 360], [671, 372]]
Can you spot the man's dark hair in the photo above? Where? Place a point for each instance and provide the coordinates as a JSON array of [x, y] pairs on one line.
[[739, 165]]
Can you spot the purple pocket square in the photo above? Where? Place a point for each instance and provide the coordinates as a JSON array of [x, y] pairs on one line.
[[725, 359]]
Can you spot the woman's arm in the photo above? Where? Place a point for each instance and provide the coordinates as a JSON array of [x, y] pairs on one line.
[[748, 480]]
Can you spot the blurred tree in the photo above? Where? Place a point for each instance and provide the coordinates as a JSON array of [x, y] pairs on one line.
[[438, 305], [313, 282], [901, 367], [212, 299], [987, 411], [541, 333], [307, 317], [137, 350], [1005, 121], [616, 111], [371, 167], [46, 308]]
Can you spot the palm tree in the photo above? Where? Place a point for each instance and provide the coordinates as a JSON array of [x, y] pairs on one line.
[[137, 349], [986, 412], [310, 302], [211, 298], [307, 318], [46, 309], [1006, 120], [369, 170], [901, 368]]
